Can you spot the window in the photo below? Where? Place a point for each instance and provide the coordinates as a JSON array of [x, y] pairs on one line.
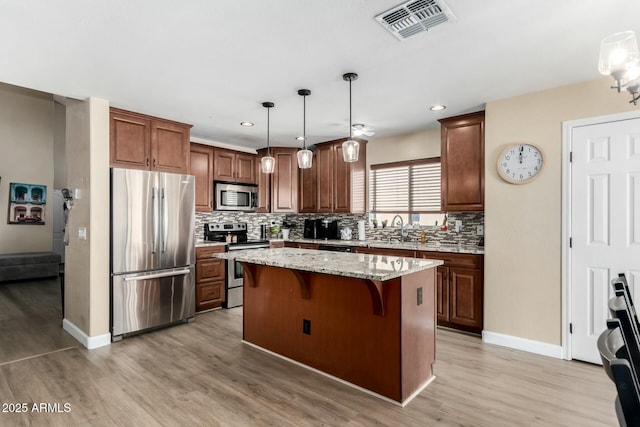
[[408, 188]]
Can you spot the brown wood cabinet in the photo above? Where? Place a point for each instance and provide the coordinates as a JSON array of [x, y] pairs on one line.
[[462, 158], [150, 143], [210, 278], [264, 185], [284, 182], [307, 188], [201, 166], [234, 166], [459, 290], [278, 192], [340, 186]]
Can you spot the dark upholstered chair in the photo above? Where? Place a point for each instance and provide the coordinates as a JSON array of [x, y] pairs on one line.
[[616, 365]]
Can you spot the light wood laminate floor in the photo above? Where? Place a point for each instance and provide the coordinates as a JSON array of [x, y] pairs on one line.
[[31, 319], [200, 374]]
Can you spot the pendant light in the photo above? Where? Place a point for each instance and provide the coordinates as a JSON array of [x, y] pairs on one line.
[[305, 157], [267, 163], [350, 148]]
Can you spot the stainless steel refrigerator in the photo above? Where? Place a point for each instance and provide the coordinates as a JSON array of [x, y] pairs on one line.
[[152, 250]]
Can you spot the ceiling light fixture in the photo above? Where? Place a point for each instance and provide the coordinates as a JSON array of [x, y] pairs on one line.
[[246, 124], [437, 107], [350, 148], [267, 163], [620, 59], [359, 129], [305, 157]]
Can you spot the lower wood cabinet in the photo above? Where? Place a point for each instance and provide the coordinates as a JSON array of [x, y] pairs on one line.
[[459, 284], [210, 278], [459, 290]]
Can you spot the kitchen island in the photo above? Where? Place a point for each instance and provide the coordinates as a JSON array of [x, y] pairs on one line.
[[368, 320]]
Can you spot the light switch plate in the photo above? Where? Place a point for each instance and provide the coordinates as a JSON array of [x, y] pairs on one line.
[[82, 233]]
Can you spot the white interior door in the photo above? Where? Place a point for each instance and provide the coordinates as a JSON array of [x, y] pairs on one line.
[[605, 225]]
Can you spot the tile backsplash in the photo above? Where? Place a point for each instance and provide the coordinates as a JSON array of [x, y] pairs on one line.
[[467, 235]]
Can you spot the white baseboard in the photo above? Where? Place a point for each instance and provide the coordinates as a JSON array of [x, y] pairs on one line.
[[84, 339], [524, 344]]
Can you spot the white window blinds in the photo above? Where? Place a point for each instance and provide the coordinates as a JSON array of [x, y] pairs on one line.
[[405, 187]]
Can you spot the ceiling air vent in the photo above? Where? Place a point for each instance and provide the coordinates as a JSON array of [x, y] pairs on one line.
[[414, 16]]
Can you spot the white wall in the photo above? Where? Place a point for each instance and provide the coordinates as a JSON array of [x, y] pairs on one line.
[[26, 144]]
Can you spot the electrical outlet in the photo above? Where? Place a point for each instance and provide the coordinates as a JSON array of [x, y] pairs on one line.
[[458, 225], [82, 233], [306, 326], [480, 230]]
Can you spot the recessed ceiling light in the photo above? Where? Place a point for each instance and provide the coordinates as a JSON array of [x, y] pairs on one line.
[[437, 107], [299, 138], [246, 124]]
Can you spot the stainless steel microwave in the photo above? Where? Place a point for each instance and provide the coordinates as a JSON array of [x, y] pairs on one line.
[[235, 197]]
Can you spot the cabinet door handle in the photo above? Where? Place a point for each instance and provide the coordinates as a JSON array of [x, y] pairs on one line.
[[154, 163], [147, 162]]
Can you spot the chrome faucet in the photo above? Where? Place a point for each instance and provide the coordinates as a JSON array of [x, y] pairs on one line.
[[403, 232]]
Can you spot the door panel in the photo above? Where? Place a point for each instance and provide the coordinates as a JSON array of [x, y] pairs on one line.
[[605, 198], [465, 302], [177, 195], [133, 201], [169, 147], [442, 293]]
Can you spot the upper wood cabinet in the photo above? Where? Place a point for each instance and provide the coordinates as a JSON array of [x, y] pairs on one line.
[[340, 186], [462, 158], [284, 182], [234, 166], [145, 142], [264, 185], [307, 188], [278, 191], [201, 164]]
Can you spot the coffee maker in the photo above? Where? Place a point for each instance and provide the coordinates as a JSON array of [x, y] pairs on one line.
[[321, 229]]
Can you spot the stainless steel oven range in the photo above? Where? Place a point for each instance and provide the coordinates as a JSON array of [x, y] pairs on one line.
[[235, 234]]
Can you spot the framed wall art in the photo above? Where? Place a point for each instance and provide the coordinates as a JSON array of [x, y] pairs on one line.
[[27, 203]]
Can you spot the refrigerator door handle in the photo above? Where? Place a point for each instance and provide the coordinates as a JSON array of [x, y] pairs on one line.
[[165, 223], [157, 275], [154, 197]]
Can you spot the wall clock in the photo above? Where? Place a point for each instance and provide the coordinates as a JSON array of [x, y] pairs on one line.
[[520, 163]]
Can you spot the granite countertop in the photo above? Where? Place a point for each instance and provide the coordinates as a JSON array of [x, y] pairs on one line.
[[361, 266], [412, 246]]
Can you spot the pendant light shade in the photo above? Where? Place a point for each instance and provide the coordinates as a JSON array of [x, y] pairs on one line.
[[305, 157], [350, 148], [267, 163]]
